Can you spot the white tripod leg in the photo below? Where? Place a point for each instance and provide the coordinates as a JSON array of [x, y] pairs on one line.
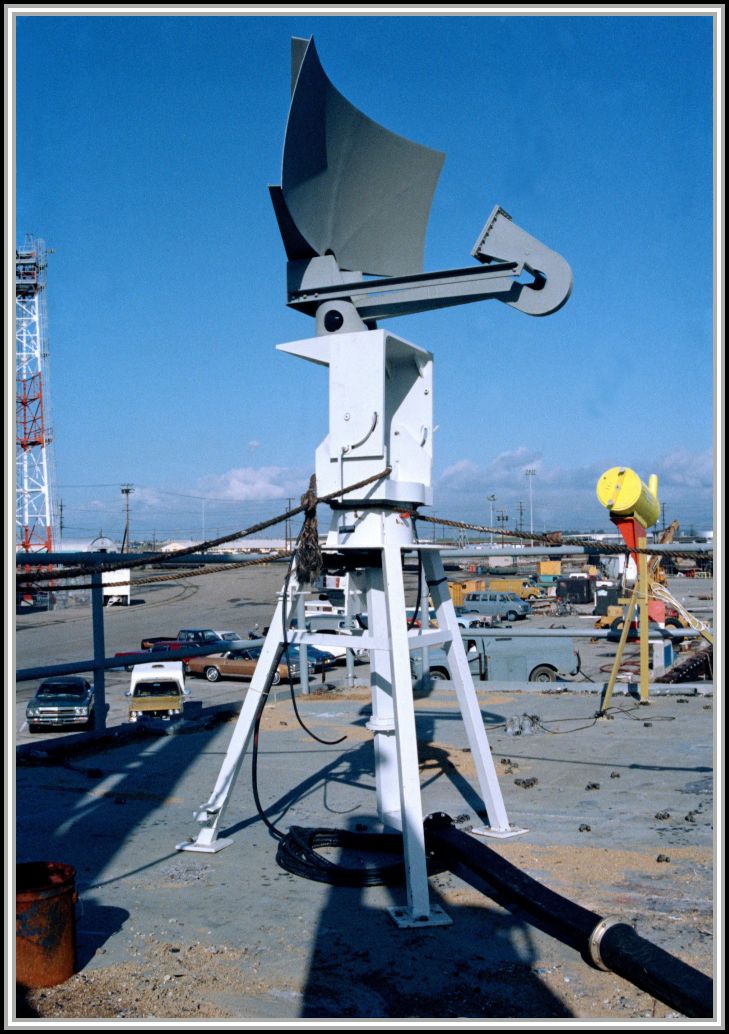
[[419, 911], [468, 701], [211, 813], [382, 722]]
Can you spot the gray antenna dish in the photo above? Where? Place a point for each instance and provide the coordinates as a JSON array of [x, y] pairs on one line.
[[349, 187], [354, 200]]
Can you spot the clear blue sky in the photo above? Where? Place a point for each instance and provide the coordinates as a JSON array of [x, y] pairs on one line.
[[145, 146]]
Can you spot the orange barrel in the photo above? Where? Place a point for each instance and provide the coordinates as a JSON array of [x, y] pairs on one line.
[[45, 923]]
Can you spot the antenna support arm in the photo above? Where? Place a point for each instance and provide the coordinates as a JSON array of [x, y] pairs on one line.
[[516, 268]]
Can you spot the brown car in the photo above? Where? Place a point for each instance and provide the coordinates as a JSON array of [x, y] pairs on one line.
[[238, 664]]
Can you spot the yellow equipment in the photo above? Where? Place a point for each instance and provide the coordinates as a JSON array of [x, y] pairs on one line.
[[633, 507], [622, 492]]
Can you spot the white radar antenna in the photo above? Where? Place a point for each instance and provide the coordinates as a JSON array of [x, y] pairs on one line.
[[353, 208]]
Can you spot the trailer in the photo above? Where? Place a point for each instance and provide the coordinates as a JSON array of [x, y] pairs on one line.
[[115, 592]]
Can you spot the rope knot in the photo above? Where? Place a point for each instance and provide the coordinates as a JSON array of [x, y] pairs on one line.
[[309, 560]]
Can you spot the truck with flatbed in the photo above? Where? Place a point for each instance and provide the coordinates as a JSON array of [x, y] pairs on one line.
[[502, 657], [185, 637]]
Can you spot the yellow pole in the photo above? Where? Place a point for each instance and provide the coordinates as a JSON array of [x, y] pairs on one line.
[[619, 652], [643, 621]]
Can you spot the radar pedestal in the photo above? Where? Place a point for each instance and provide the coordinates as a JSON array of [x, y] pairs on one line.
[[352, 209], [380, 416]]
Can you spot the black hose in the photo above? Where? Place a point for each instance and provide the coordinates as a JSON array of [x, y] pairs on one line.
[[298, 854], [657, 972], [606, 944]]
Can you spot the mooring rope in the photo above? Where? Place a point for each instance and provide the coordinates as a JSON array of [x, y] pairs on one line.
[[202, 547], [553, 538]]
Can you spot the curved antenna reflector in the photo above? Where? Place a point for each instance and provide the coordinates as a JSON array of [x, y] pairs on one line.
[[349, 187]]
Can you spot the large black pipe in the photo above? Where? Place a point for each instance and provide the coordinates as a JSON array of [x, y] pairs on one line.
[[607, 944]]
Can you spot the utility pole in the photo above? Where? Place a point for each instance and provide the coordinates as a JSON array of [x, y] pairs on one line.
[[60, 523], [503, 518], [126, 492], [491, 501], [287, 527], [529, 474]]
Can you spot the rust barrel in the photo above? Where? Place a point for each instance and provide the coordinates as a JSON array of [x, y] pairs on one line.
[[45, 923]]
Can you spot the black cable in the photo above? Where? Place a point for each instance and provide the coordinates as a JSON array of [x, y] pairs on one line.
[[416, 610], [298, 854], [254, 757], [285, 651], [590, 720]]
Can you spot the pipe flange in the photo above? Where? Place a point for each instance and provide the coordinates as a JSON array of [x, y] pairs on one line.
[[381, 724], [595, 939]]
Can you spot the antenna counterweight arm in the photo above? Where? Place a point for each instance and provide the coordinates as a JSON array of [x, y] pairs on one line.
[[505, 250]]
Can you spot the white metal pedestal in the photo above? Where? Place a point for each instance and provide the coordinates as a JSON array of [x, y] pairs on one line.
[[389, 643]]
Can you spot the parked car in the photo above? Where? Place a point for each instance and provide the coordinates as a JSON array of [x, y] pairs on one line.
[[333, 621], [232, 640], [320, 659], [125, 656], [472, 618], [502, 604], [239, 664], [61, 700]]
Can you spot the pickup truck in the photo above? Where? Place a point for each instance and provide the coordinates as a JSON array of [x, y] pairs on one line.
[[185, 637], [505, 658], [157, 693]]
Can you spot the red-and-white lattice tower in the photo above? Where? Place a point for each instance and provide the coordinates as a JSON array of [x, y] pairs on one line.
[[33, 503]]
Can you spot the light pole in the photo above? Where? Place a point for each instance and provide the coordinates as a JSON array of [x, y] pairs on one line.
[[126, 492], [503, 518], [529, 474], [491, 501]]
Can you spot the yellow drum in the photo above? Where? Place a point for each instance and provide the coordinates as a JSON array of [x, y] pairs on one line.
[[621, 491]]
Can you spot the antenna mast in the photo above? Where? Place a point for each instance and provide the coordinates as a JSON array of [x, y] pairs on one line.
[[34, 518]]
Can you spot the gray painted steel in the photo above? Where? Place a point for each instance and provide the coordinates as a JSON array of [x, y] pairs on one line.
[[111, 663], [355, 198], [474, 552], [350, 187]]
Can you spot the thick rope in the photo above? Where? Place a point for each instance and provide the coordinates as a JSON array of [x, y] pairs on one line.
[[309, 561], [554, 538], [178, 576], [200, 547]]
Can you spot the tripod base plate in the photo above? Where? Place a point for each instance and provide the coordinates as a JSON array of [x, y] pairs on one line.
[[403, 917]]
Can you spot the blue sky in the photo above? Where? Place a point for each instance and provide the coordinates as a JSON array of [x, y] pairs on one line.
[[144, 150]]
